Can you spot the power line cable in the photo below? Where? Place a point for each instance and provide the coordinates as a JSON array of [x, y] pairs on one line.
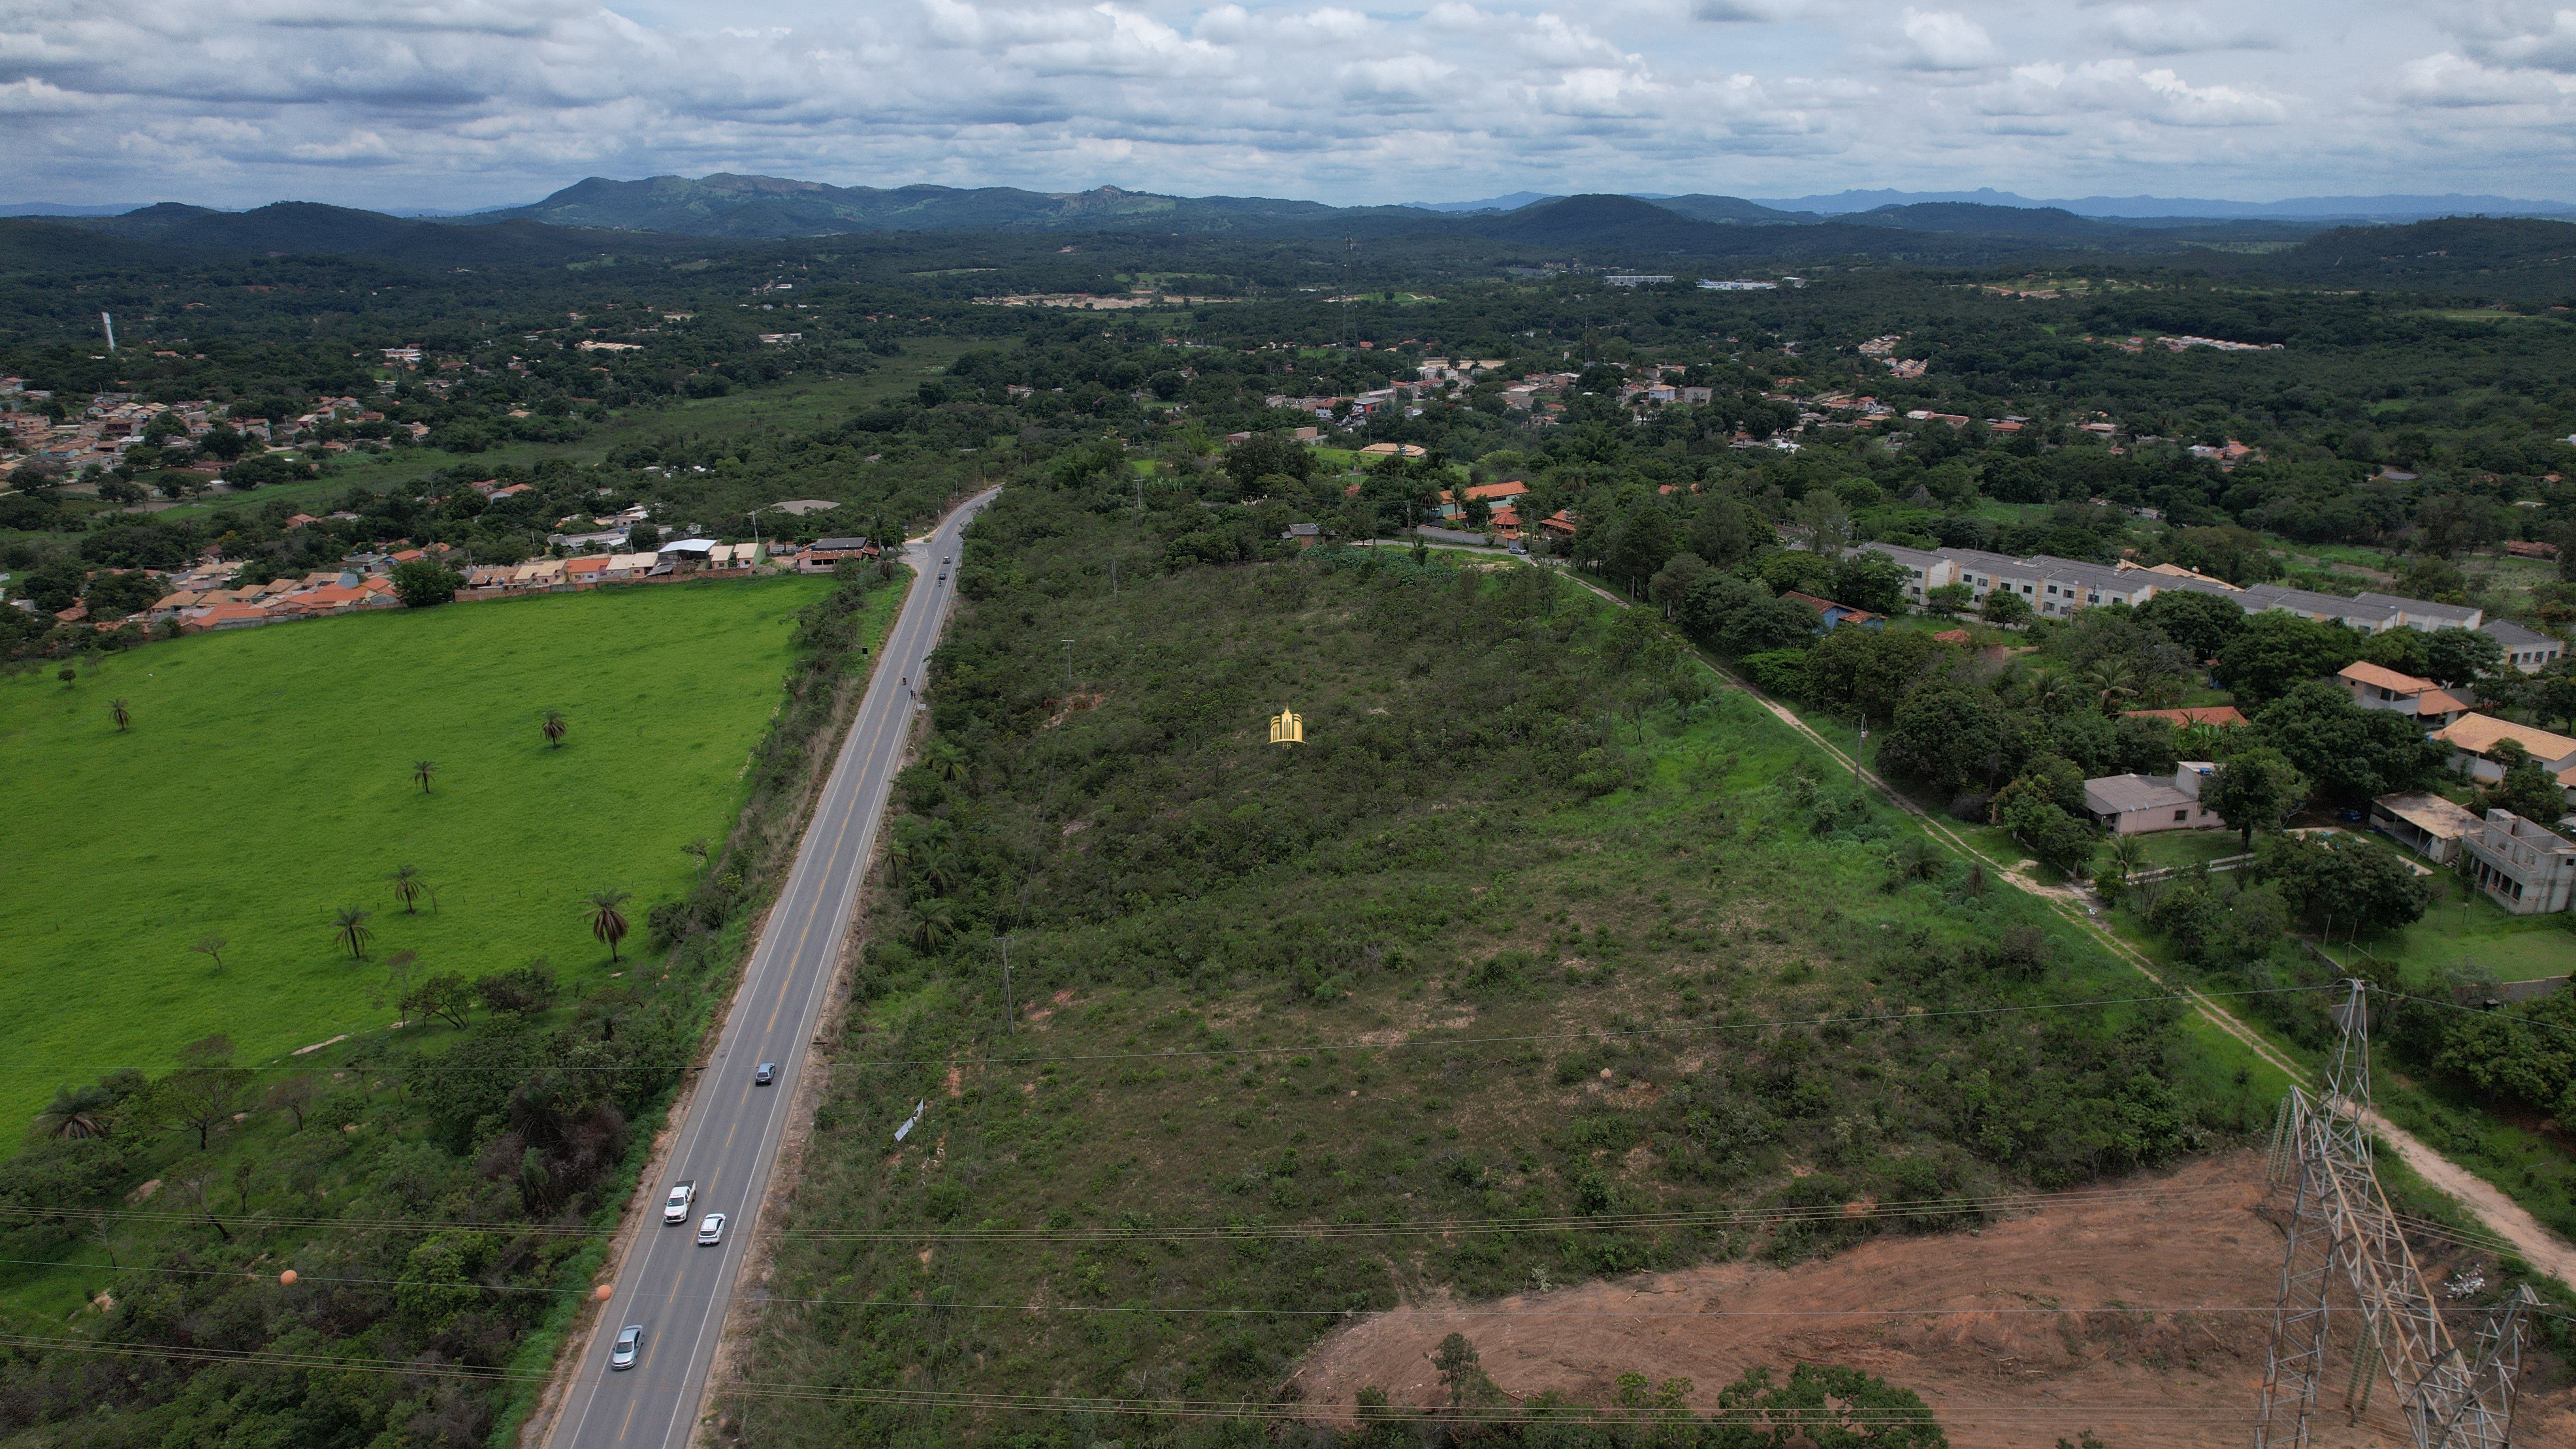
[[1218, 1232], [1290, 1048], [2053, 1413], [1195, 1311]]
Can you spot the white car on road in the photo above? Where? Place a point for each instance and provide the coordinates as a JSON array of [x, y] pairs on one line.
[[675, 1208], [711, 1230]]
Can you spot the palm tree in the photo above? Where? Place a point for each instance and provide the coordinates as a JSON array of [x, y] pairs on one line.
[[124, 717], [606, 921], [2202, 741], [938, 923], [408, 887], [421, 770], [212, 946], [351, 924], [76, 1112], [2129, 853], [948, 763], [2047, 689], [553, 728], [2111, 684], [931, 866]]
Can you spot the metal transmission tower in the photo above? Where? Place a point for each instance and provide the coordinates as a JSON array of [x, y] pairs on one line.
[[2342, 1230]]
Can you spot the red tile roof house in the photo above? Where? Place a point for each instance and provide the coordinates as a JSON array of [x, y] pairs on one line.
[[2473, 739], [225, 616], [1495, 495], [2376, 688]]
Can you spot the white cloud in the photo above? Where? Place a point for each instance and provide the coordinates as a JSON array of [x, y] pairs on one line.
[[2173, 30], [1945, 40], [2452, 80], [1759, 12], [458, 102], [2518, 33]]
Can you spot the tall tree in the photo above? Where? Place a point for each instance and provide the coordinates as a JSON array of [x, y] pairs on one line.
[[553, 727], [607, 922], [123, 716], [351, 928], [2201, 623], [212, 947], [2351, 755], [206, 1090], [2255, 790], [77, 1112], [408, 887], [2274, 653], [2457, 657], [421, 771]]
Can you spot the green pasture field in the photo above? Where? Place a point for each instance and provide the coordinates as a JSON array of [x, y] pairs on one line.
[[267, 783], [2468, 933]]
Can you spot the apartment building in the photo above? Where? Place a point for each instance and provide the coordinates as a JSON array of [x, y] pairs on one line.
[[2060, 587]]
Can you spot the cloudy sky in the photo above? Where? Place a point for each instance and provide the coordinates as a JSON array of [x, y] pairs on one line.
[[466, 103]]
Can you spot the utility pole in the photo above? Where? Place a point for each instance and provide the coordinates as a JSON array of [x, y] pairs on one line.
[[2343, 1233], [1068, 671]]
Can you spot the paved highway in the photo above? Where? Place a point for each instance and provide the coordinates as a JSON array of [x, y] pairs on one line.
[[728, 1143]]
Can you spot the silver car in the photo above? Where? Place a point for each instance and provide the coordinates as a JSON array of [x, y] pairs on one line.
[[630, 1341], [711, 1230]]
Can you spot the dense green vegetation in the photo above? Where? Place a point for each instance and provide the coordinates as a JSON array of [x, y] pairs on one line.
[[441, 1190], [1532, 932], [1520, 815]]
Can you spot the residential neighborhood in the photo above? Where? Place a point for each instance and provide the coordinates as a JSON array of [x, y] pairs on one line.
[[201, 600]]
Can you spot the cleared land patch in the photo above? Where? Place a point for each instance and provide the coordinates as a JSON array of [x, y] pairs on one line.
[[2122, 1309], [267, 783]]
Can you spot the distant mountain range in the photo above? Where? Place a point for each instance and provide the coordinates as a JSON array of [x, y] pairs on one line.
[[56, 208], [724, 205], [304, 227], [678, 217], [2140, 208]]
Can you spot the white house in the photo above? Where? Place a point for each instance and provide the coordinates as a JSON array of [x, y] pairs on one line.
[[2141, 804]]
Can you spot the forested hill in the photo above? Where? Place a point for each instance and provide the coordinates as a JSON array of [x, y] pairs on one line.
[[2508, 257], [768, 206]]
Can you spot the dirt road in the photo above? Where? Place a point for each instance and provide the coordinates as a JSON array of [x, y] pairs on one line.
[[2496, 1212]]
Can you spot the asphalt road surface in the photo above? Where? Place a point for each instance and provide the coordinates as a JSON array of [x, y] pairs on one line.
[[728, 1143]]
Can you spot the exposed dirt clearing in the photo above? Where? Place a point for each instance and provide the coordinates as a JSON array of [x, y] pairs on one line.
[[2145, 1357]]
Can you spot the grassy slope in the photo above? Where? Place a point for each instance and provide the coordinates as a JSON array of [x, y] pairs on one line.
[[266, 783], [1433, 916]]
